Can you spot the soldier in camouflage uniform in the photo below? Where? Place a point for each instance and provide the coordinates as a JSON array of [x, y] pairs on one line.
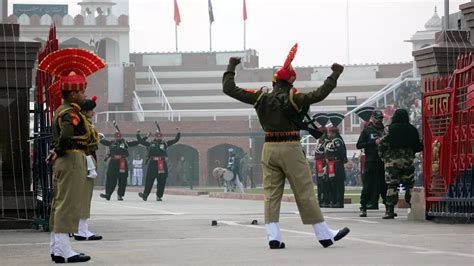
[[282, 155], [397, 150]]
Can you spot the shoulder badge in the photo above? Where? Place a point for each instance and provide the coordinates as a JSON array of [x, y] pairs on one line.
[[295, 90], [250, 90], [74, 119]]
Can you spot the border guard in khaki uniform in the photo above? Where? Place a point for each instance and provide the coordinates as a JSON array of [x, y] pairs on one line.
[[70, 139], [83, 233], [282, 154]]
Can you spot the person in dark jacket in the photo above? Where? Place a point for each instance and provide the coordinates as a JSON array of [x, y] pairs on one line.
[[336, 156], [373, 178], [157, 167], [397, 149]]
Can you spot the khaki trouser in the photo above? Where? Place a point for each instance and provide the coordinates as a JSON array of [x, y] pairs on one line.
[[287, 160], [86, 205], [69, 179]]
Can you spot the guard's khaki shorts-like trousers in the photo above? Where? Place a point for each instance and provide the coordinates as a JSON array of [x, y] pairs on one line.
[[287, 160]]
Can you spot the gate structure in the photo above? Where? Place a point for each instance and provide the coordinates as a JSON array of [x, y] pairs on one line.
[[448, 130], [45, 104]]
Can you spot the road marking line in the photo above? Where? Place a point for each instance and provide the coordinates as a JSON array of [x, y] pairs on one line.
[[146, 239], [145, 209], [414, 249]]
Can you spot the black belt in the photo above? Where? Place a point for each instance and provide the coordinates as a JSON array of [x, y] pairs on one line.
[[292, 136]]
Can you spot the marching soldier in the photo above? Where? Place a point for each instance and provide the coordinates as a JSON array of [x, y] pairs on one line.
[[282, 154], [83, 233], [336, 156], [373, 178], [117, 171], [320, 162], [157, 167], [397, 150], [70, 139]]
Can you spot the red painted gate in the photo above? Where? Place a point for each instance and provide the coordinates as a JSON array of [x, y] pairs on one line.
[[448, 130]]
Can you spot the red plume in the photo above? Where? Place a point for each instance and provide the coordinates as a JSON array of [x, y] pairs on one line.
[[287, 71], [94, 98], [291, 56]]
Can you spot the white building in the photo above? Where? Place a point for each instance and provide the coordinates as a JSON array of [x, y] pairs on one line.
[[426, 37], [98, 28]]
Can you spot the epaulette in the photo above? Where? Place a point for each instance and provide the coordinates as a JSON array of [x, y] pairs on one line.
[[292, 93], [71, 111], [259, 98], [338, 142], [76, 107]]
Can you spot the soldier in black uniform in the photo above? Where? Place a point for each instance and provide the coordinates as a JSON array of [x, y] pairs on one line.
[[336, 157], [157, 167], [282, 155], [118, 166], [373, 178], [320, 164], [320, 161]]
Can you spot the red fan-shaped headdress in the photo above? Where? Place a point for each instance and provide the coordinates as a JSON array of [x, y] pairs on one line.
[[71, 66], [287, 71]]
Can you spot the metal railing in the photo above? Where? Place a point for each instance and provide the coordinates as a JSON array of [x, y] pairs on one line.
[[137, 106], [179, 114], [163, 100], [203, 113], [391, 87]]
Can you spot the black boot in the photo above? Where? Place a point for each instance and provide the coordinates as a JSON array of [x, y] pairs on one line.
[[275, 244], [389, 213], [120, 198], [105, 196], [363, 212], [141, 195], [342, 233]]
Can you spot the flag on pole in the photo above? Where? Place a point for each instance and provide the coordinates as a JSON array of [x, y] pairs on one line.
[[177, 17], [211, 13], [245, 11]]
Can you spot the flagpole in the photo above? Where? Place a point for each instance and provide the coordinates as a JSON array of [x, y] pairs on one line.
[[176, 35], [245, 34], [210, 36]]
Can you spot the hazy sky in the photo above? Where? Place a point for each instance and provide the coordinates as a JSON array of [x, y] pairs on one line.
[[377, 28]]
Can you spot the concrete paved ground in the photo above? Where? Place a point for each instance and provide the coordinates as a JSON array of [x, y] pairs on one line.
[[178, 231]]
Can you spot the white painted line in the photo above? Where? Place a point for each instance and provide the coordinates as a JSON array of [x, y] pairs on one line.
[[413, 249], [141, 208], [354, 219], [145, 239]]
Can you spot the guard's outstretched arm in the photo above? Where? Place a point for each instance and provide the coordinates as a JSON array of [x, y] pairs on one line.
[[305, 99], [142, 141], [105, 142], [175, 140], [228, 85]]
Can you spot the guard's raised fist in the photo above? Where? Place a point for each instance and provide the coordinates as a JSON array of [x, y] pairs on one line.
[[139, 131], [177, 129], [337, 68], [235, 60]]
